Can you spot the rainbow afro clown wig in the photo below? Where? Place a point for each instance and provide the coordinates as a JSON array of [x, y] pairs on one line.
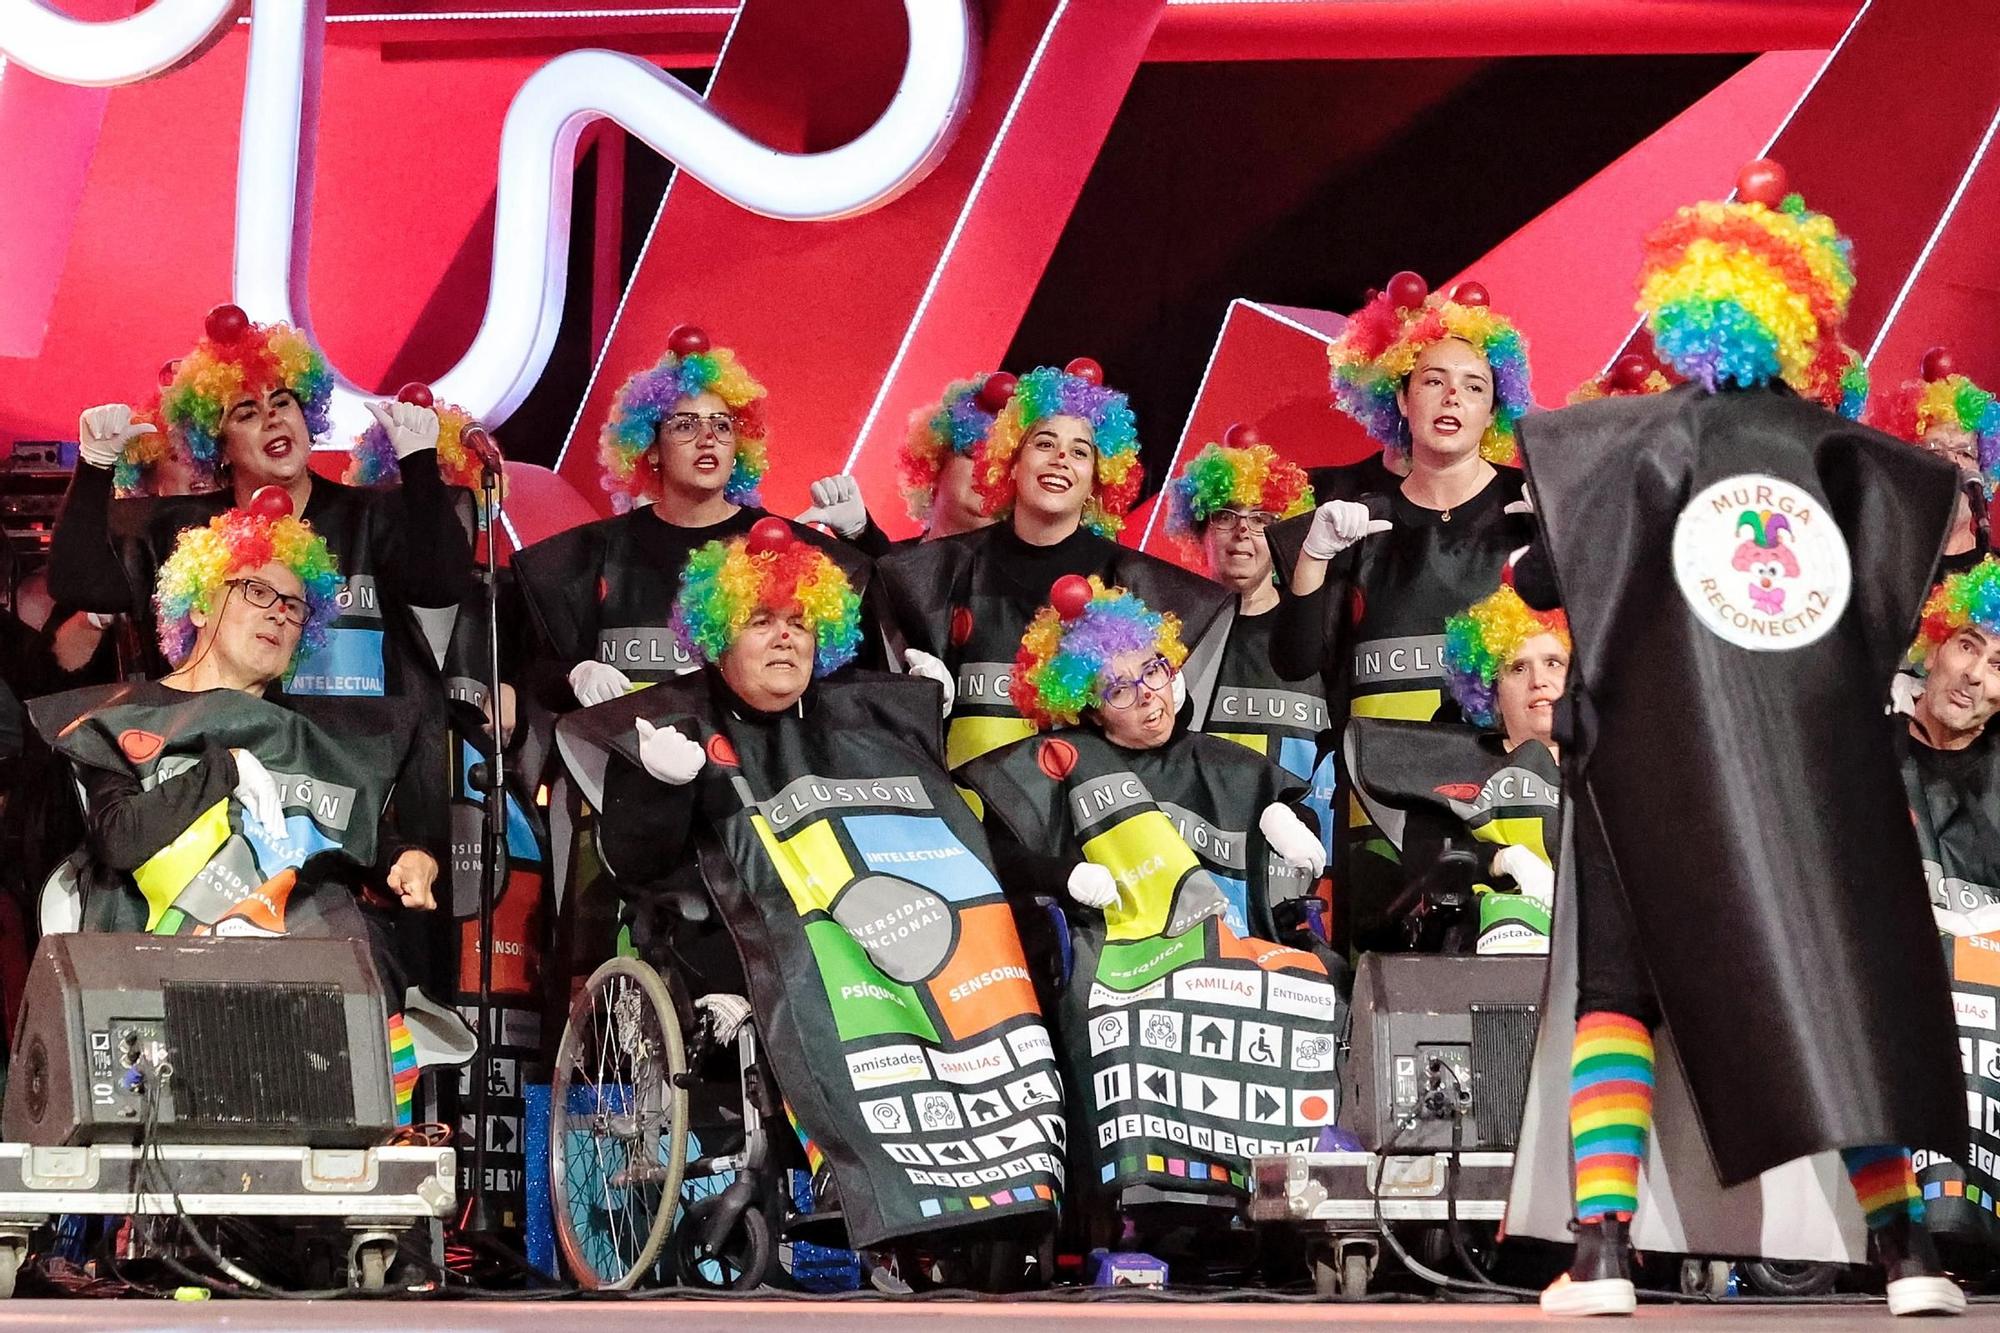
[[373, 459], [1944, 399], [1375, 354], [1971, 598], [237, 359], [137, 469], [1071, 643], [956, 425], [1077, 390], [691, 366], [1742, 294], [725, 583], [1251, 476], [196, 575], [1479, 641]]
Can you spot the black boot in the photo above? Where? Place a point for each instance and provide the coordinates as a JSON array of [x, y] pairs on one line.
[[1916, 1281], [1599, 1280]]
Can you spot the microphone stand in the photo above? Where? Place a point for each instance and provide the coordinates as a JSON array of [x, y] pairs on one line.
[[490, 779]]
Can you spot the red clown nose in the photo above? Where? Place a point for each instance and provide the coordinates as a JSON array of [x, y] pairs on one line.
[[1085, 369], [1070, 595], [1762, 181], [1407, 290], [270, 502], [996, 392], [1242, 435], [767, 535], [226, 323], [687, 340]]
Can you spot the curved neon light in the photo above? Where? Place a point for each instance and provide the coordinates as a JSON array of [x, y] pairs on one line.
[[101, 55], [526, 291]]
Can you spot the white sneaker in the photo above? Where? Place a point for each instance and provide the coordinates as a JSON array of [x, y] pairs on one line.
[[1609, 1295], [1912, 1296]]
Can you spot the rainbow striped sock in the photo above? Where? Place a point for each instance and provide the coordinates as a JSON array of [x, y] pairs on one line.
[[1610, 1111], [1885, 1183], [402, 1066]]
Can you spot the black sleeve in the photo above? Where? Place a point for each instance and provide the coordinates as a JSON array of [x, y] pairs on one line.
[[871, 541], [13, 724], [427, 553], [1025, 873], [1535, 579], [1299, 644], [646, 828], [128, 826], [84, 570]]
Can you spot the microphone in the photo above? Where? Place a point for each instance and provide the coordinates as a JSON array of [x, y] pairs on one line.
[[475, 438]]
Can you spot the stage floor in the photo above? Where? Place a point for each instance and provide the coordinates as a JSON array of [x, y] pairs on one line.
[[750, 1315]]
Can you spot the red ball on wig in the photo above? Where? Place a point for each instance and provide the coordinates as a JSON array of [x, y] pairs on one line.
[[270, 502], [226, 323], [416, 393], [1242, 435], [1939, 364], [1085, 369], [1762, 181], [1407, 290], [1630, 371], [687, 340], [768, 534], [1470, 293], [169, 369], [1070, 595], [996, 392]]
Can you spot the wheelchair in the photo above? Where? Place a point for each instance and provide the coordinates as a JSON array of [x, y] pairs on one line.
[[665, 1164]]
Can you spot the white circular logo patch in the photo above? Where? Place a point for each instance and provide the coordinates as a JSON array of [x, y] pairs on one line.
[[1761, 563]]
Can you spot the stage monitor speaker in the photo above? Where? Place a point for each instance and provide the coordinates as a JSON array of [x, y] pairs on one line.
[[219, 1040], [1474, 1017]]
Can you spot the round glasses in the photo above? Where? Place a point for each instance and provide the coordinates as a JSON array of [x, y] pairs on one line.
[[1122, 693], [685, 427]]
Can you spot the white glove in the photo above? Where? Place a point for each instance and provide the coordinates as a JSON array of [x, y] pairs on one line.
[[920, 663], [1337, 525], [258, 791], [1524, 505], [103, 432], [411, 429], [1092, 885], [1536, 880], [1903, 691], [668, 755], [1295, 844], [593, 682], [837, 503]]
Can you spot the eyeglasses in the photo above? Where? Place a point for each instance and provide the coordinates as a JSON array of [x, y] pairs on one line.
[[1962, 454], [1122, 693], [263, 596], [1228, 520], [685, 427]]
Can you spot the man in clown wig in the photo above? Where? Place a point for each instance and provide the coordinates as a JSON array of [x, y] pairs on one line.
[[217, 803], [1945, 413], [811, 804], [1059, 468], [1745, 992], [1194, 1039]]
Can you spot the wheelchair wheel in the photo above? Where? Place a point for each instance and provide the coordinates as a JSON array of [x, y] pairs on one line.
[[618, 1126]]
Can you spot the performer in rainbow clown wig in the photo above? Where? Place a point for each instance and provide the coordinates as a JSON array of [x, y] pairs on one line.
[[1442, 379], [684, 453], [1642, 503], [940, 454], [808, 801], [1946, 413], [220, 804], [242, 410], [1180, 853], [1059, 468]]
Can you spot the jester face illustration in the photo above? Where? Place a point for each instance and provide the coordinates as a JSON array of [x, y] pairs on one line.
[[1766, 556]]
